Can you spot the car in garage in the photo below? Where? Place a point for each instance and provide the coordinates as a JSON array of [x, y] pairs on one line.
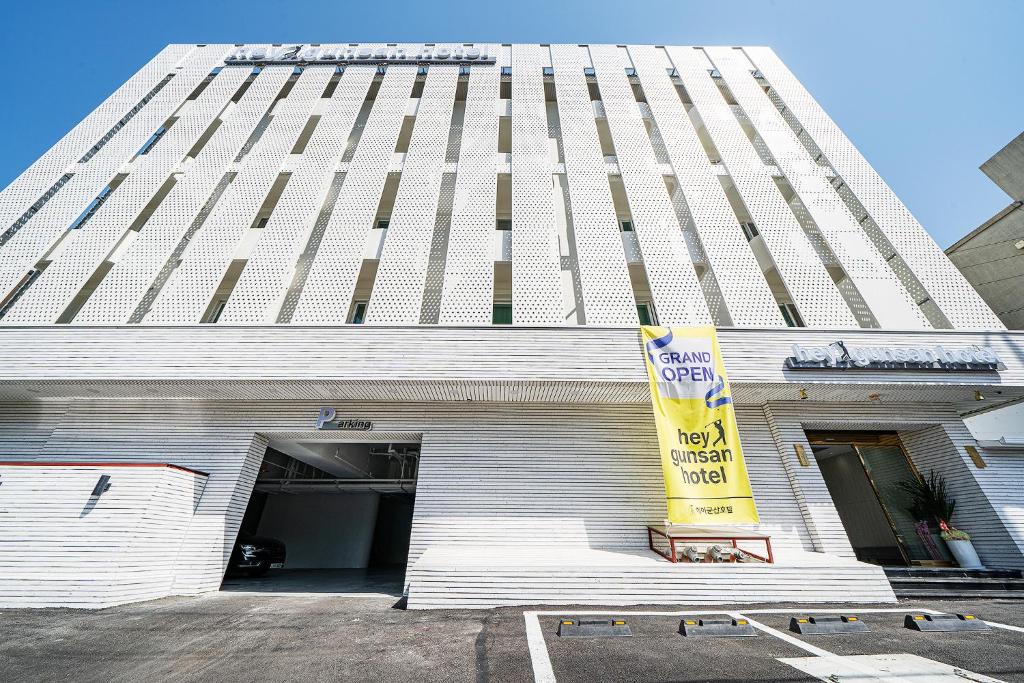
[[256, 555]]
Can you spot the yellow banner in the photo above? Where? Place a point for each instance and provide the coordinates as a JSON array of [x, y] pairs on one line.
[[705, 477]]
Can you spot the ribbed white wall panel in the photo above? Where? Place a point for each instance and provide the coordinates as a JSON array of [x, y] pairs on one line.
[[487, 363], [518, 491], [603, 272], [397, 296], [187, 293], [744, 289], [62, 546], [982, 509], [468, 292], [32, 241], [819, 301], [1000, 483], [501, 576], [885, 296], [89, 245], [532, 488], [128, 282], [327, 294], [955, 297], [678, 297], [809, 490], [268, 273], [34, 181], [536, 266]]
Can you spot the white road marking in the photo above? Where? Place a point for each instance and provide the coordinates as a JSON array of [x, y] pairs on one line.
[[726, 610], [814, 650], [542, 671], [1018, 629], [894, 668], [860, 667]]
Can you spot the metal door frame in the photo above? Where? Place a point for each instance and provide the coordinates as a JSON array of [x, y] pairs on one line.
[[856, 439]]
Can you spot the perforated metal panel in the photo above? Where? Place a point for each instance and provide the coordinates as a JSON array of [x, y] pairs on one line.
[[946, 286], [536, 268], [468, 290], [188, 291], [88, 246], [817, 298], [136, 276], [601, 262], [38, 233], [876, 283], [269, 271], [33, 183], [398, 289], [743, 287], [303, 264], [677, 294], [327, 294]]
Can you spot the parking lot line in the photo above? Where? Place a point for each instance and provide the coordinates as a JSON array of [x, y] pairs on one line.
[[539, 659], [807, 647], [543, 672], [1018, 629]]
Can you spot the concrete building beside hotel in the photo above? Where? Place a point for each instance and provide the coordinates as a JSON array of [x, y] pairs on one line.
[[991, 256], [382, 302]]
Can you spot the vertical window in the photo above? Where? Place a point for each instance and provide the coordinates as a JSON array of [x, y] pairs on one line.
[[217, 310], [503, 224], [358, 313], [645, 311], [749, 230], [791, 315], [502, 314], [626, 226]]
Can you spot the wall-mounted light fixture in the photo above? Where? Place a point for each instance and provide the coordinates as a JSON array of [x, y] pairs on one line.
[[801, 455], [102, 486], [976, 458], [803, 394], [978, 396]]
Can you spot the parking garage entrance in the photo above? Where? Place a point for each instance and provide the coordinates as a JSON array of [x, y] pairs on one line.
[[868, 475], [327, 518]]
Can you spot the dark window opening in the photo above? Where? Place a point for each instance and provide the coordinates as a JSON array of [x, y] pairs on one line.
[[791, 315], [502, 314]]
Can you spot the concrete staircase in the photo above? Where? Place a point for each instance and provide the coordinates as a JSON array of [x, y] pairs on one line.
[[918, 582], [468, 577]]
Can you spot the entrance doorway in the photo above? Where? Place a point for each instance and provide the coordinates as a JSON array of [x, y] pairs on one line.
[[342, 513], [862, 471]]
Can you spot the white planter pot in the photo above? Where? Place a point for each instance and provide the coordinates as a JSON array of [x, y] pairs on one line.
[[965, 554]]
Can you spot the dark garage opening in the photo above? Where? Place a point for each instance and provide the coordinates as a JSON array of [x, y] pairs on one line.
[[343, 512]]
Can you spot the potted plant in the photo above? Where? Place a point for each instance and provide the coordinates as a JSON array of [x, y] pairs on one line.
[[960, 545], [930, 502]]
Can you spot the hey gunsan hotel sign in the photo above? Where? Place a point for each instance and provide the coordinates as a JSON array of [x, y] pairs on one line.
[[426, 53]]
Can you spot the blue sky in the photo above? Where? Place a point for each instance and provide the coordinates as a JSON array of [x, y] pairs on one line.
[[926, 90]]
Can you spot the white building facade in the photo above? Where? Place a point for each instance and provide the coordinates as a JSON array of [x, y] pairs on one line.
[[451, 247]]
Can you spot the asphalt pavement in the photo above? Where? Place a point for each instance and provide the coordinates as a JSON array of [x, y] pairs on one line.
[[254, 637]]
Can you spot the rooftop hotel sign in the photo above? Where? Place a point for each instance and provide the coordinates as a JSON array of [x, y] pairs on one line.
[[842, 356], [362, 54]]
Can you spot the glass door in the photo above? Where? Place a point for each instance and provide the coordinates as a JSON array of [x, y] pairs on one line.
[[884, 464], [885, 467]]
